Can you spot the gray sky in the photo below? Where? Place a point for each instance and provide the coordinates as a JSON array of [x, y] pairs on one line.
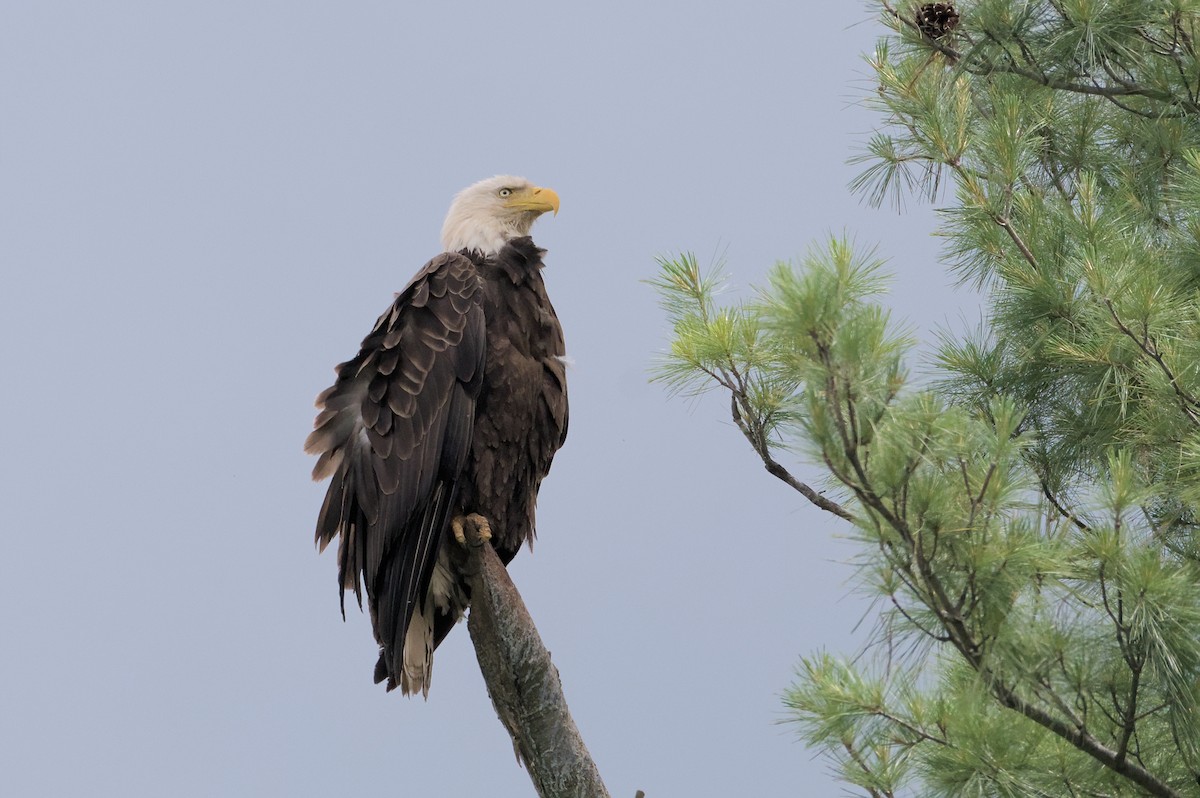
[[204, 206]]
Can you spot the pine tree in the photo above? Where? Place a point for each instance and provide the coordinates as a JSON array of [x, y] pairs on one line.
[[1029, 520]]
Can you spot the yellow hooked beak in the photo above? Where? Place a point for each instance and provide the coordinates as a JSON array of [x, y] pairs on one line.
[[534, 199]]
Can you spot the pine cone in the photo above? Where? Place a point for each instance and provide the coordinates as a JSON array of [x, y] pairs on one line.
[[935, 20]]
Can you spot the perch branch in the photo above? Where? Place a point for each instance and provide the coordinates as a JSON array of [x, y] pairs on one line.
[[523, 683]]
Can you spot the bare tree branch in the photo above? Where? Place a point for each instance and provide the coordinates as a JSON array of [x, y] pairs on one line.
[[524, 684]]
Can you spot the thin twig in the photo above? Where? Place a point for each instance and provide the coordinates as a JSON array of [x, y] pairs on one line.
[[1187, 403], [775, 469]]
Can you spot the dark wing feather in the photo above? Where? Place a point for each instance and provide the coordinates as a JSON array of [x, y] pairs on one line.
[[394, 433]]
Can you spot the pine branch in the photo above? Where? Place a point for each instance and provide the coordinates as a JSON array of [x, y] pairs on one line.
[[775, 469], [1086, 743], [984, 67], [1074, 732], [1026, 253], [857, 758], [963, 638], [524, 684], [1057, 505]]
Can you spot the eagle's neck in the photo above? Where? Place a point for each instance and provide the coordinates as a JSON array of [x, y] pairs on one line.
[[486, 242], [486, 235]]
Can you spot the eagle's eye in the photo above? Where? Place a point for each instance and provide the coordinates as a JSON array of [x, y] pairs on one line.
[[504, 192]]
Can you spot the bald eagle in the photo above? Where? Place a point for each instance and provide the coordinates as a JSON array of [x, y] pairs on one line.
[[450, 413]]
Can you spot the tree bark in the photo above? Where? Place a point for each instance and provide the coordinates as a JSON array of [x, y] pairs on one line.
[[524, 684]]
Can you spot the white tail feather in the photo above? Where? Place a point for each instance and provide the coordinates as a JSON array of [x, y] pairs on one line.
[[418, 654]]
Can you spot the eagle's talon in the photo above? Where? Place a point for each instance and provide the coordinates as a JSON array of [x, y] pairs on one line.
[[483, 530]]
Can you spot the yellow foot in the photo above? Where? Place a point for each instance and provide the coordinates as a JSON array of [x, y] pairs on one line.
[[477, 521]]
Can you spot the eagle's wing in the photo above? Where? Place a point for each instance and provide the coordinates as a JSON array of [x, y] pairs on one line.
[[394, 433]]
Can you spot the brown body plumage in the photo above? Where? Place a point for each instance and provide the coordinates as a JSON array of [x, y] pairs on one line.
[[455, 404]]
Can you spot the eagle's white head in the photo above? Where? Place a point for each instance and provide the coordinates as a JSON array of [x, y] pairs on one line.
[[486, 215]]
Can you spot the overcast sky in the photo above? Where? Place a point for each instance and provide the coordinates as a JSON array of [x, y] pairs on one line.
[[203, 208]]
